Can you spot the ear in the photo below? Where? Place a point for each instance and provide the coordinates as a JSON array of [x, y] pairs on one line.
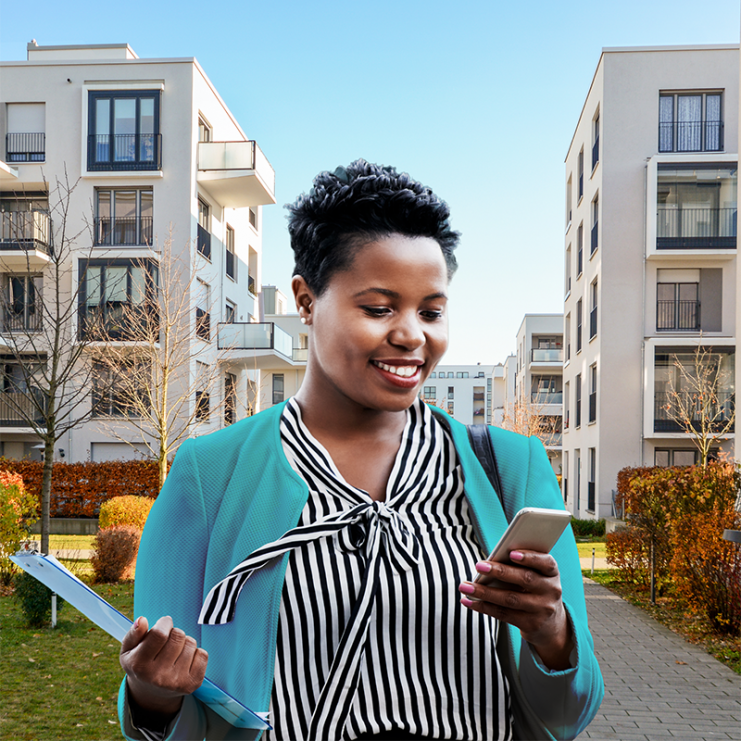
[[304, 297]]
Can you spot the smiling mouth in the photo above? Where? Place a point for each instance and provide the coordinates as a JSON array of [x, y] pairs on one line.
[[403, 371]]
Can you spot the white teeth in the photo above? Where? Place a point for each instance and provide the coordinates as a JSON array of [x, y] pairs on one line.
[[405, 371]]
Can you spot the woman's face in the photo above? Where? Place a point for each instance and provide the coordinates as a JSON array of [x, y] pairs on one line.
[[381, 326]]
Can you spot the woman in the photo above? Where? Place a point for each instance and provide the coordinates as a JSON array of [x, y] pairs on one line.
[[319, 556]]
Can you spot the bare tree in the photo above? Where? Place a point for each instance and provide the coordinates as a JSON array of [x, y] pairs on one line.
[[700, 399], [159, 381], [48, 381], [527, 417]]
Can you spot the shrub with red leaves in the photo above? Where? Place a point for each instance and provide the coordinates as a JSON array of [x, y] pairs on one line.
[[114, 553]]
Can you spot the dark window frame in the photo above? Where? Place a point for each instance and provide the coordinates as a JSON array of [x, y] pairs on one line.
[[105, 228]]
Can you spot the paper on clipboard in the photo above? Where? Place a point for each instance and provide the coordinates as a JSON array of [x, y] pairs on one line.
[[62, 581]]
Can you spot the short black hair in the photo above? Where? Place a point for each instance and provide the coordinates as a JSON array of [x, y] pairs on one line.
[[358, 204]]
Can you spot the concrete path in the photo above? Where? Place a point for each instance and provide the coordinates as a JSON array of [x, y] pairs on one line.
[[657, 686]]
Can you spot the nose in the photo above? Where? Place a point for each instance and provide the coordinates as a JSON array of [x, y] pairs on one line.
[[407, 331]]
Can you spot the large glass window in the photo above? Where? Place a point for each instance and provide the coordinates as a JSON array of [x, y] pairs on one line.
[[120, 391], [117, 298], [231, 256], [123, 216], [677, 306], [21, 303], [278, 388], [696, 206], [691, 122]]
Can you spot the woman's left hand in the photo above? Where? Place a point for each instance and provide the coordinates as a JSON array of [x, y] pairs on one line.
[[533, 604]]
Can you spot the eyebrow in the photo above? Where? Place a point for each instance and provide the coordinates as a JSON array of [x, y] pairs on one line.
[[395, 295]]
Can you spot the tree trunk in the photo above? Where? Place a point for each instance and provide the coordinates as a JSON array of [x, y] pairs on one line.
[[162, 462], [46, 494]]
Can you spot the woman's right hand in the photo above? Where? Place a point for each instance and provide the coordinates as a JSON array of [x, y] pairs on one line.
[[162, 665]]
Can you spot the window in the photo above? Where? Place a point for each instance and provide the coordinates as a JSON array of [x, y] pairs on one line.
[[203, 311], [568, 270], [577, 476], [593, 313], [451, 407], [577, 399], [278, 388], [450, 374], [578, 325], [120, 391], [595, 224], [546, 390], [566, 404], [253, 217], [691, 122], [677, 307], [581, 176], [592, 393], [203, 240], [230, 312], [123, 217], [230, 399], [461, 374], [429, 393], [205, 132], [592, 461], [579, 250], [696, 206], [432, 375], [25, 222], [231, 257], [203, 397], [567, 338], [595, 139], [21, 303], [451, 392], [123, 130], [569, 208], [118, 299], [678, 457], [26, 137], [565, 477]]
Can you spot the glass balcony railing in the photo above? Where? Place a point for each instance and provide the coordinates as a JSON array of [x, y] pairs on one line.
[[547, 397], [245, 155], [692, 410], [254, 336], [681, 227], [546, 356]]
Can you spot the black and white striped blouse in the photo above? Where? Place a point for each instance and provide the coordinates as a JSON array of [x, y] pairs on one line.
[[372, 637]]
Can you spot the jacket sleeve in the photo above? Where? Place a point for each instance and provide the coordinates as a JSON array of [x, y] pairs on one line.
[[566, 700], [170, 570]]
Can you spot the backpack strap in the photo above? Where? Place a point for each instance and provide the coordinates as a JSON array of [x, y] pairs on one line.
[[484, 450]]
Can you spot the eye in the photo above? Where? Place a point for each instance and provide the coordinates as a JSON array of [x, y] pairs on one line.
[[431, 315], [376, 310]]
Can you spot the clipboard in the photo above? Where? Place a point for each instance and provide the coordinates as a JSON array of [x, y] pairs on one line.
[[62, 581]]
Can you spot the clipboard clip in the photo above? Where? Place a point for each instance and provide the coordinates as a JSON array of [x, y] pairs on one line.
[[28, 551]]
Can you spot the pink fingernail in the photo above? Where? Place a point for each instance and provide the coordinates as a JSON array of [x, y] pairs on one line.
[[466, 602], [483, 566], [516, 555], [467, 588], [136, 623]]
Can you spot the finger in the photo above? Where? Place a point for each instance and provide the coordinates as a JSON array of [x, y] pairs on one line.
[[170, 652], [135, 634], [542, 562], [198, 665], [505, 599]]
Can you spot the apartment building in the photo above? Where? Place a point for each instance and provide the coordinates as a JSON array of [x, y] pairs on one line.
[[650, 259], [464, 391], [154, 152]]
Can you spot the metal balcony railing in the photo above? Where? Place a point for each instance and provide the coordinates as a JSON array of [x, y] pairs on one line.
[[123, 231], [23, 317], [119, 321], [595, 237], [581, 185], [17, 408], [595, 152], [203, 241], [691, 136], [25, 147], [578, 413], [678, 316], [593, 323], [25, 230], [684, 228], [593, 406], [579, 262], [716, 409], [124, 152], [254, 336], [546, 355]]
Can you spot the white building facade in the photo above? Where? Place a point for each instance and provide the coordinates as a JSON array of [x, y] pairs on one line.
[[155, 153], [650, 259], [464, 391]]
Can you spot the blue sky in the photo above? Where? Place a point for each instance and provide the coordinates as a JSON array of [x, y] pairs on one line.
[[476, 99]]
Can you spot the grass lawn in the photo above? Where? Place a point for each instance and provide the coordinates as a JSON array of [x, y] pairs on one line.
[[60, 684], [69, 542], [693, 628], [585, 550]]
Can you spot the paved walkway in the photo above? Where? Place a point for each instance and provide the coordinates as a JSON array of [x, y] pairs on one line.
[[657, 686]]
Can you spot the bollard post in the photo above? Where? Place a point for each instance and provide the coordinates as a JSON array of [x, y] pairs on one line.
[[53, 609], [593, 550]]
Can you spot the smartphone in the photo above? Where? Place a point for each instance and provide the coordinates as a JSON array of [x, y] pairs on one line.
[[532, 529]]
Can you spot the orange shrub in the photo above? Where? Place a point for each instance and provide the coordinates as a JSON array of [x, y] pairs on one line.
[[78, 489], [627, 553], [17, 514], [128, 510], [114, 553]]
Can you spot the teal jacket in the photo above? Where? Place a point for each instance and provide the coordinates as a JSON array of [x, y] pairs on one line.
[[232, 491]]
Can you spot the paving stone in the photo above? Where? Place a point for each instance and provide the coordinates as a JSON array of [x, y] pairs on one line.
[[648, 695]]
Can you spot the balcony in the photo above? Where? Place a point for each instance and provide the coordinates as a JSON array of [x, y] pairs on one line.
[[25, 239], [17, 408], [479, 396], [686, 228], [546, 397], [716, 414], [237, 174], [678, 316], [123, 232], [26, 147], [119, 321], [22, 318], [203, 242], [300, 354], [550, 356], [124, 152], [691, 136], [261, 345]]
